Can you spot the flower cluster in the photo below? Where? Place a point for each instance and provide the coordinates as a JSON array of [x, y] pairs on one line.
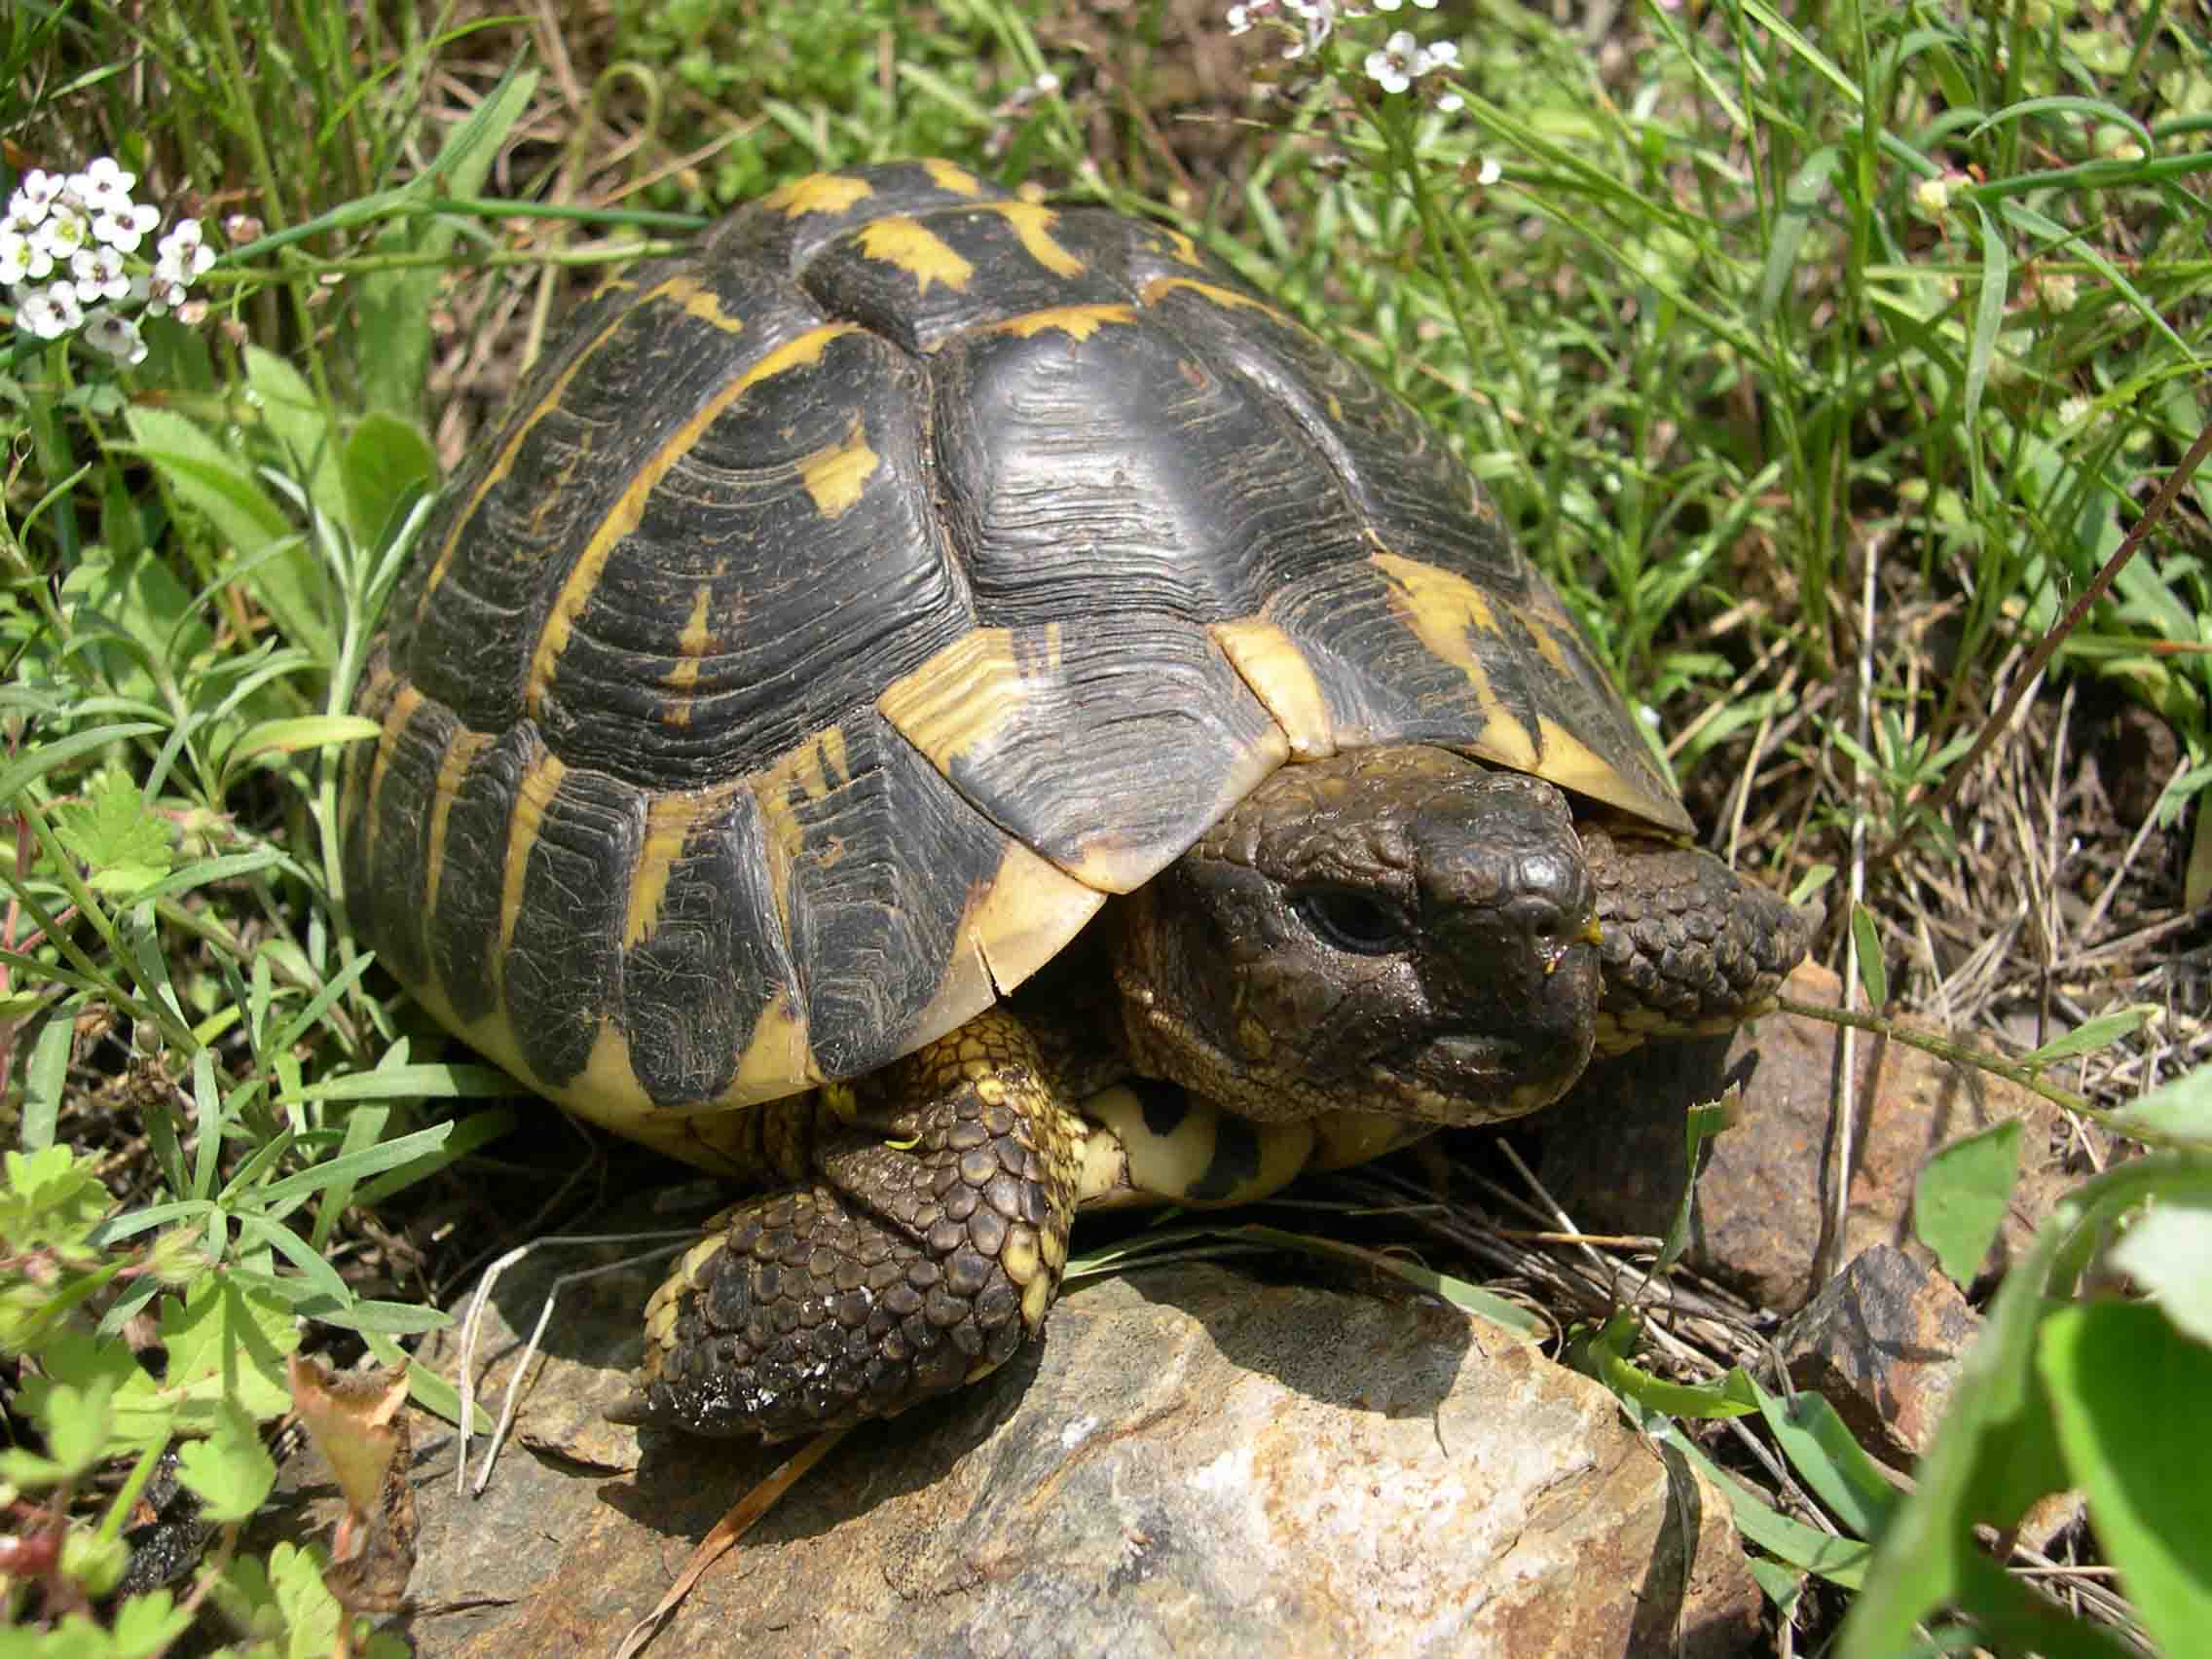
[[1402, 61], [63, 246], [1304, 24]]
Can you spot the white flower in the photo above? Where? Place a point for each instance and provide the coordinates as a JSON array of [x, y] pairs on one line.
[[1490, 173], [34, 197], [1393, 5], [182, 253], [1317, 19], [99, 274], [1394, 67], [62, 235], [15, 256], [1306, 24], [114, 335], [163, 294], [125, 225], [48, 313], [103, 186], [1443, 55], [1449, 102]]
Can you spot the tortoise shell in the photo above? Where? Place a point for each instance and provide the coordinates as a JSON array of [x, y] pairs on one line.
[[848, 607]]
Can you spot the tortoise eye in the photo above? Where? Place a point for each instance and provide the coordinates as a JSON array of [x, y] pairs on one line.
[[1343, 918]]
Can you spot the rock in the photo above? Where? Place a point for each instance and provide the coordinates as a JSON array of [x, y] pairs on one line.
[[1189, 1463], [1612, 1153], [1882, 1343]]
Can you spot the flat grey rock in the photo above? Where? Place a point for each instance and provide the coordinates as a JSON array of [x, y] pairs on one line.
[[1191, 1463]]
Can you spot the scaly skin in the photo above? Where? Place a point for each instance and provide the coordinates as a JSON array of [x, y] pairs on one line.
[[1366, 949], [928, 1245]]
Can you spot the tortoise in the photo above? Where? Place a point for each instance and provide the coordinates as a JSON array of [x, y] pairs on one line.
[[950, 709]]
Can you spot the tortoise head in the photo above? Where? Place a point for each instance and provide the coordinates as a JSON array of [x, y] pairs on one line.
[[1394, 930]]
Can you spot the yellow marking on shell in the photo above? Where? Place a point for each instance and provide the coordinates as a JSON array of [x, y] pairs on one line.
[[836, 475], [1024, 915], [533, 797], [1446, 592], [404, 702], [1017, 919], [807, 771], [963, 694], [1161, 286], [947, 175], [453, 766], [1544, 630], [503, 462], [1440, 608], [699, 301], [817, 192], [801, 352], [1033, 223], [919, 251], [1570, 763], [693, 641], [1184, 250], [612, 285], [1271, 664], [1076, 322], [669, 822]]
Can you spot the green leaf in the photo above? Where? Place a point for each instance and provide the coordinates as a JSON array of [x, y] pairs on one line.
[[2091, 1035], [2166, 1252], [1829, 1460], [124, 847], [1872, 974], [2129, 1393], [1840, 1561], [393, 306], [301, 427], [1604, 1356], [44, 1076], [148, 1624], [311, 1614], [1959, 1199], [293, 735], [230, 1471], [1782, 1585], [386, 460], [273, 564], [2174, 1114]]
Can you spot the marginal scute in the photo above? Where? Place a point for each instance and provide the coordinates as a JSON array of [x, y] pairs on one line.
[[1271, 663]]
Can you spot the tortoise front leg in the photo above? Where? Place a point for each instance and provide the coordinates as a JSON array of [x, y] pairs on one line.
[[1687, 946], [927, 1244]]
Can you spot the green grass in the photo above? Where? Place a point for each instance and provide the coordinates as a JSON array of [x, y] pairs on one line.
[[1721, 314]]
